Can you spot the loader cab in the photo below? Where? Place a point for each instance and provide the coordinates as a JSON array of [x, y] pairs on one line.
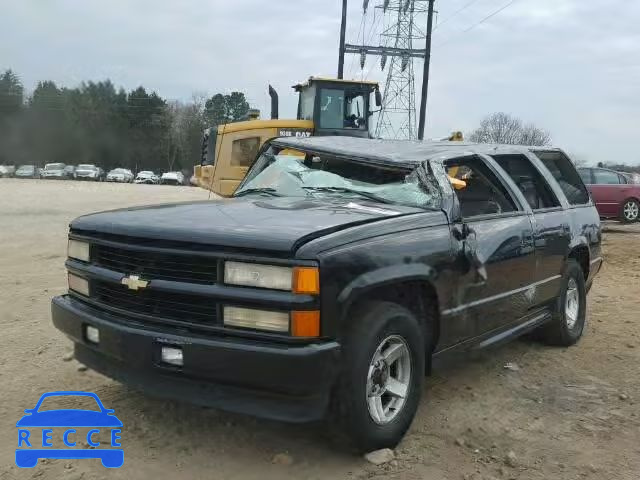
[[325, 107], [337, 107]]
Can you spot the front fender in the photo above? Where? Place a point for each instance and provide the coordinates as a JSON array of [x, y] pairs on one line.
[[380, 277]]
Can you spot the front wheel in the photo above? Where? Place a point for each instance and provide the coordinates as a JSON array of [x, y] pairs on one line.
[[630, 211], [381, 382]]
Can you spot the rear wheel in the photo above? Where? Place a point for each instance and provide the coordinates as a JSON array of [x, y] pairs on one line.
[[570, 312], [630, 211], [381, 381]]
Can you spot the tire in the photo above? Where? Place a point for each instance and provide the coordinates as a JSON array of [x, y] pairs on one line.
[[630, 211], [569, 319], [376, 329]]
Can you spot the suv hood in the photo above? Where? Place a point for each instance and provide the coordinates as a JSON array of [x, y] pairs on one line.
[[276, 224]]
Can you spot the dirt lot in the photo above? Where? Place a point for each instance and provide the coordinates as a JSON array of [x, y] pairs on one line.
[[565, 413]]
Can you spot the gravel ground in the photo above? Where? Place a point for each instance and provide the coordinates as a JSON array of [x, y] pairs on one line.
[[568, 413]]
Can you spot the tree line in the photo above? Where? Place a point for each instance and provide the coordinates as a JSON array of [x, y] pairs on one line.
[[98, 123]]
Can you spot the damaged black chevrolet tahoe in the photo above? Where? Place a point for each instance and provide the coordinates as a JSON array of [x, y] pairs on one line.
[[330, 281]]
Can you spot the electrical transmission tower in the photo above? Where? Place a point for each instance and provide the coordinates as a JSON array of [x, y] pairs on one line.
[[397, 118], [401, 28]]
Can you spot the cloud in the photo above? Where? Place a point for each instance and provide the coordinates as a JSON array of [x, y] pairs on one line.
[[570, 66]]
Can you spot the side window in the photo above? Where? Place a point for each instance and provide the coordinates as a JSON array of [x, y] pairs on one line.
[[585, 174], [531, 183], [605, 177], [244, 151], [478, 190], [306, 106], [565, 174], [623, 180]]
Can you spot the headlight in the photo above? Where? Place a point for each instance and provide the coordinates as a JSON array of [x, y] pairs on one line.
[[255, 275], [79, 284], [305, 280], [78, 250]]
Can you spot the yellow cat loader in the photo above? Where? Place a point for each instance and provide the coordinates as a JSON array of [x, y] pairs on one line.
[[325, 107]]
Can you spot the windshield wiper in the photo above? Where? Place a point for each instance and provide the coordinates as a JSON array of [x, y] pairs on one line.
[[267, 190], [367, 195]]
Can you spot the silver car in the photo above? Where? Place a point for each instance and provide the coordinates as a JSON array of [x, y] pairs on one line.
[[172, 178], [121, 175], [147, 176], [27, 171], [7, 170], [55, 171], [89, 172]]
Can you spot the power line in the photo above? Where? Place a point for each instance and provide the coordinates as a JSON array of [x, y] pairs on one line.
[[361, 29], [454, 14], [374, 25], [492, 14]]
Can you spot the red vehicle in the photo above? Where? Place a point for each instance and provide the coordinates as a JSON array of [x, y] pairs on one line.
[[614, 194]]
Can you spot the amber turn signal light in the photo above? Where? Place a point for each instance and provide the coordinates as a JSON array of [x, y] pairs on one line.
[[305, 323], [306, 280]]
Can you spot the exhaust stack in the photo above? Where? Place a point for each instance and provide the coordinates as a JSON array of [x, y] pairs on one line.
[[274, 102]]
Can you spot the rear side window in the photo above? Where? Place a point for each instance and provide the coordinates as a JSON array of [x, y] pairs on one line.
[[533, 186], [606, 177], [566, 175], [244, 151]]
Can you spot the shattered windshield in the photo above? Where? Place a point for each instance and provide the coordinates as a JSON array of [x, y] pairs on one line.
[[332, 176]]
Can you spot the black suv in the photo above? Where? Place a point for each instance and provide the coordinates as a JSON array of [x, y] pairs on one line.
[[333, 277]]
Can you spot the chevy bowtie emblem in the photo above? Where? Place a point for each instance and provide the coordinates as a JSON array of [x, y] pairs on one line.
[[134, 282]]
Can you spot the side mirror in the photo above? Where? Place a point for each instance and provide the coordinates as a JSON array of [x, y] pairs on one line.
[[378, 98]]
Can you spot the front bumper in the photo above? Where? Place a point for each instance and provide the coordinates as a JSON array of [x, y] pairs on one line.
[[281, 382]]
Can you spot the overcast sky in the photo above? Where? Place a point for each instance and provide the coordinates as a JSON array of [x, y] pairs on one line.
[[570, 66]]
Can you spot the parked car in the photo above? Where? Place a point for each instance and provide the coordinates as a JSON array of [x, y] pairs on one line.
[[89, 172], [172, 178], [122, 175], [7, 171], [147, 176], [328, 283], [55, 171], [27, 171], [615, 195]]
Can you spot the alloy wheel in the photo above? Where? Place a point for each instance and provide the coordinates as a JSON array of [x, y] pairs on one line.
[[388, 379]]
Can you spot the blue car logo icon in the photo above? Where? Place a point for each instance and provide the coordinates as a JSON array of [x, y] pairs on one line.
[[36, 433]]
